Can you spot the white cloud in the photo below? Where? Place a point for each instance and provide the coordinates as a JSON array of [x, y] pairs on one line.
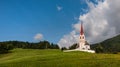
[[59, 8], [101, 22], [38, 36], [76, 18], [68, 40]]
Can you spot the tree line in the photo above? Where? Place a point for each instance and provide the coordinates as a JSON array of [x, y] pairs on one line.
[[9, 45]]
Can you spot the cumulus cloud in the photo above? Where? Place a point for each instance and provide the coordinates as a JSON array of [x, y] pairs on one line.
[[101, 22], [69, 39], [59, 8], [38, 36]]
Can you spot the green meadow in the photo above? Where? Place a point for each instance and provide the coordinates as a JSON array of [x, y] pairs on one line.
[[57, 58]]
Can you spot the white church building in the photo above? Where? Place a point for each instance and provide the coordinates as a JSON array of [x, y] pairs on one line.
[[83, 45]]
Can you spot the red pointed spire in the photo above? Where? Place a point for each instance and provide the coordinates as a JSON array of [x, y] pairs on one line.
[[81, 31]]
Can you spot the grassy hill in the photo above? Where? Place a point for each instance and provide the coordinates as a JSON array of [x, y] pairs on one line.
[[109, 45], [56, 58]]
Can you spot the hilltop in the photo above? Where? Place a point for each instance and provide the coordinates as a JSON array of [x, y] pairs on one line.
[[57, 58]]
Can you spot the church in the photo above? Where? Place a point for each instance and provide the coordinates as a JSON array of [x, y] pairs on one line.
[[83, 44]]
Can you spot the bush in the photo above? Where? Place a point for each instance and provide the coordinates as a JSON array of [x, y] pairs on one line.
[[4, 48]]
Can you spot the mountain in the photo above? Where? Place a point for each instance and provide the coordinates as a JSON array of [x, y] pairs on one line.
[[109, 45]]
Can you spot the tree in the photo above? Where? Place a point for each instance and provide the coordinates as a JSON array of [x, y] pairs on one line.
[[54, 46], [74, 46], [99, 49], [63, 48], [4, 48]]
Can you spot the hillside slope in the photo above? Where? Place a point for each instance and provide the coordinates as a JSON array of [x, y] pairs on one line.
[[56, 58], [109, 45]]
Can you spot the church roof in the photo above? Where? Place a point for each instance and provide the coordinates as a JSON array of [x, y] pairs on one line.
[[86, 43]]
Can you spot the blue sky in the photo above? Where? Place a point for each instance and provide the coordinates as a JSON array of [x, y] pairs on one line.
[[23, 19]]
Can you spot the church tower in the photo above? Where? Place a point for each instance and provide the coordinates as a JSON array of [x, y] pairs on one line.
[[82, 42]]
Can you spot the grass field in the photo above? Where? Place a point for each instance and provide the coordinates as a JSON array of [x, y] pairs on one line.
[[56, 58]]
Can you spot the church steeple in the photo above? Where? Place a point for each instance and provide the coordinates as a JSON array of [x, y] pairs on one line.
[[81, 30]]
